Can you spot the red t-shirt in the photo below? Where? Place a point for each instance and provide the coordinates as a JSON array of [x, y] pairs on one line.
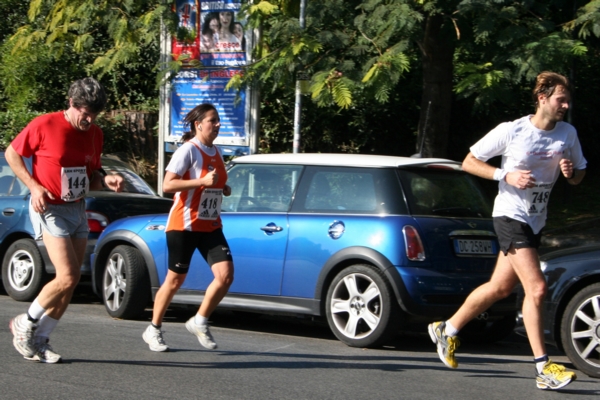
[[54, 144]]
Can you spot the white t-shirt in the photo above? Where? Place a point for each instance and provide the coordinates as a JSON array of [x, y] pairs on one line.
[[188, 158], [525, 147]]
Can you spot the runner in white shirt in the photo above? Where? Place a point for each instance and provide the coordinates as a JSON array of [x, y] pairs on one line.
[[535, 150]]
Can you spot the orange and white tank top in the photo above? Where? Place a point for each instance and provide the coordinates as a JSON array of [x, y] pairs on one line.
[[197, 209]]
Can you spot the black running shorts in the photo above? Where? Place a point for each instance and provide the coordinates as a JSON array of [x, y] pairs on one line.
[[182, 244], [517, 234]]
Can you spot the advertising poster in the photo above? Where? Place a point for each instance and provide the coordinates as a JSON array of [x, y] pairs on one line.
[[190, 88], [189, 24], [220, 47]]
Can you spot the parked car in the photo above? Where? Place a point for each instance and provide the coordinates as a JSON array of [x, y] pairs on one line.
[[368, 242], [25, 265], [572, 305]]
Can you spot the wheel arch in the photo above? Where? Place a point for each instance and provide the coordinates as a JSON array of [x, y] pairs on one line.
[[359, 255], [10, 239], [112, 240], [566, 297]]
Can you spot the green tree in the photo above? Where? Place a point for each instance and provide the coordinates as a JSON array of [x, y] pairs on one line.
[[363, 50], [381, 71]]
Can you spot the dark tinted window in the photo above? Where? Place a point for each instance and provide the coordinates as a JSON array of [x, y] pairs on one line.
[[446, 193], [349, 190]]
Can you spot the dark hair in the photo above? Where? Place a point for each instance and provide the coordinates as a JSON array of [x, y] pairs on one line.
[[232, 24], [198, 113], [243, 40], [88, 93], [546, 83], [206, 24]]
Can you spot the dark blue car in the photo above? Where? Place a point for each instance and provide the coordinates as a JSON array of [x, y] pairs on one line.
[[572, 304], [370, 243], [25, 264]]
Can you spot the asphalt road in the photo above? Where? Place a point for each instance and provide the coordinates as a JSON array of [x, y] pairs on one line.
[[258, 358]]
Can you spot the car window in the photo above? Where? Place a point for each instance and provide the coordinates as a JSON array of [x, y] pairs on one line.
[[261, 188], [330, 190], [133, 183], [9, 183], [349, 190], [7, 177], [446, 193]]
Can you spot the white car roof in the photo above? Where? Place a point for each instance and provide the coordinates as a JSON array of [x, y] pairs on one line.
[[347, 160]]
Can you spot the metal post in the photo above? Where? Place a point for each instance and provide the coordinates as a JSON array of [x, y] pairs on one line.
[[164, 114], [298, 103]]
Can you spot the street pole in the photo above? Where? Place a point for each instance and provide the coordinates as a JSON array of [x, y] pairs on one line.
[[298, 103]]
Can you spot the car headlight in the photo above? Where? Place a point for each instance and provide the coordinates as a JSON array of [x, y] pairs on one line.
[[543, 265]]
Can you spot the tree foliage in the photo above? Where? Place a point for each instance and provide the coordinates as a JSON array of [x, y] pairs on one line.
[[385, 75]]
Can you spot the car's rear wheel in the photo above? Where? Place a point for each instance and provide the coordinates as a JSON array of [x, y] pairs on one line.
[[488, 331], [125, 283], [361, 308], [23, 274], [580, 330]]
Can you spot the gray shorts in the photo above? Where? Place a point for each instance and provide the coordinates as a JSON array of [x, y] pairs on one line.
[[66, 220]]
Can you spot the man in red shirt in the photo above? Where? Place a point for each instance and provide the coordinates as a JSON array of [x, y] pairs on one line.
[[65, 149]]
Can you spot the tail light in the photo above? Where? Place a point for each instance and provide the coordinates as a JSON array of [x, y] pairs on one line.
[[414, 247], [96, 221]]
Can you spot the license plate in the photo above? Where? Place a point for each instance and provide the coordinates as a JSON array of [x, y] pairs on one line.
[[474, 246]]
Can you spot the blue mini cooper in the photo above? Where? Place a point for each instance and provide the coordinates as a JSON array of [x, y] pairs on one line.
[[371, 243]]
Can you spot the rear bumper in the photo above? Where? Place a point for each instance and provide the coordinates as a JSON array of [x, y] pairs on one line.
[[435, 295]]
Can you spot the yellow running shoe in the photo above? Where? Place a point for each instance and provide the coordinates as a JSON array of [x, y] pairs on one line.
[[554, 376], [446, 345]]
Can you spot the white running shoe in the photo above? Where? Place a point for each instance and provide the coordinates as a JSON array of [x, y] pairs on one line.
[[44, 352], [154, 338], [23, 331], [202, 332]]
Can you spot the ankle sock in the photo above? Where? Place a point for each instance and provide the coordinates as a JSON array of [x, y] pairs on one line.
[[450, 330], [200, 320], [36, 311], [540, 362], [45, 326]]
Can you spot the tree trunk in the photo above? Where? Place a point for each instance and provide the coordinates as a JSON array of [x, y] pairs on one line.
[[438, 51]]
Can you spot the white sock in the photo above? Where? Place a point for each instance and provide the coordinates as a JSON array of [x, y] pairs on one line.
[[200, 320], [35, 310], [450, 330], [540, 362], [45, 326]]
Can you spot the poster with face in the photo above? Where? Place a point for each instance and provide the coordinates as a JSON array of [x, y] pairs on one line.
[[222, 37], [217, 40]]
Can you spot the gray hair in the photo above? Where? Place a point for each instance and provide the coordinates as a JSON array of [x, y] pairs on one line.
[[88, 93]]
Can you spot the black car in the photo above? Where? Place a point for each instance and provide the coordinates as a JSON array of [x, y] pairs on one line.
[[25, 265], [572, 305]]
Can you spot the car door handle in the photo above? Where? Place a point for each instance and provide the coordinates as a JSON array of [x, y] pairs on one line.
[[8, 212], [271, 228]]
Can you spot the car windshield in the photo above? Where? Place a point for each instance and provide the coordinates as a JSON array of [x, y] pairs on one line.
[[133, 183], [444, 193]]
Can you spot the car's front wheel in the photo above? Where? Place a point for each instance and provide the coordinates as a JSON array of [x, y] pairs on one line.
[[580, 330], [23, 274], [361, 308], [125, 283]]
